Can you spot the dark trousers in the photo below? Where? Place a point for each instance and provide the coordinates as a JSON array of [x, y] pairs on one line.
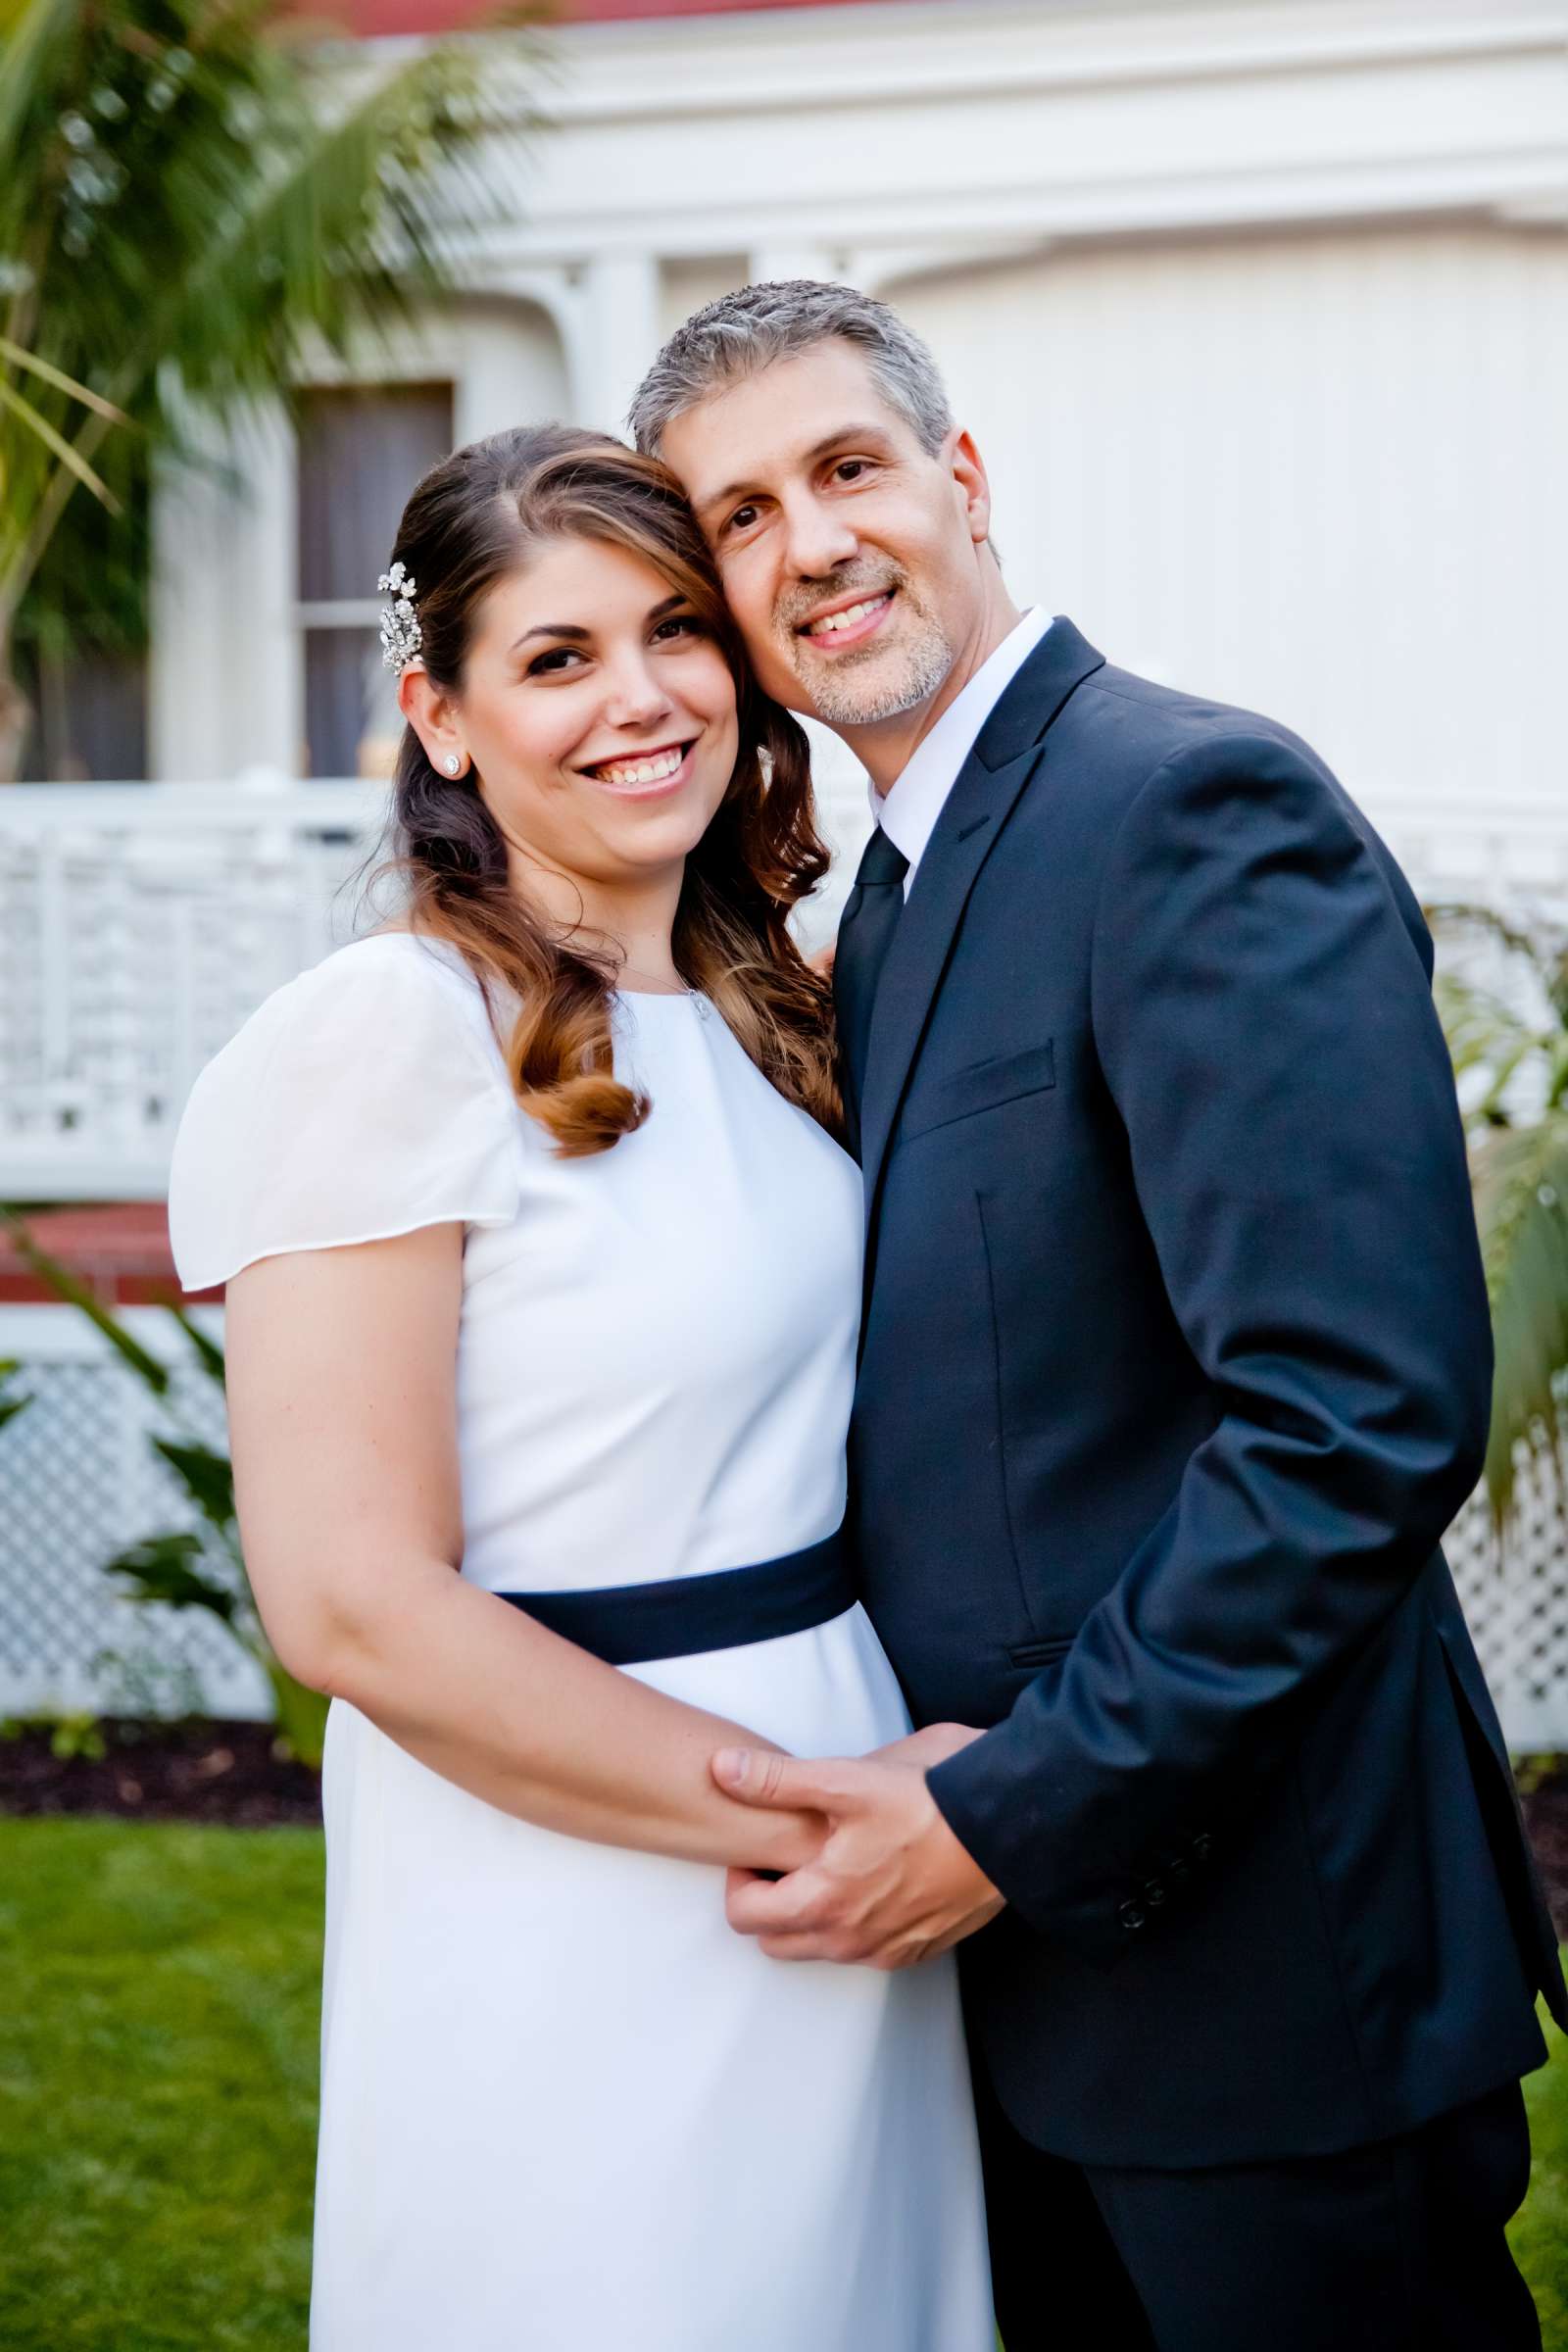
[[1396, 2248]]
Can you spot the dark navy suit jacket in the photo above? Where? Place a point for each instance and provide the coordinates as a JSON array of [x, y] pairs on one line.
[[1176, 1367]]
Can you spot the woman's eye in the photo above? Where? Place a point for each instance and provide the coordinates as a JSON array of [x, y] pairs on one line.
[[550, 664], [681, 624]]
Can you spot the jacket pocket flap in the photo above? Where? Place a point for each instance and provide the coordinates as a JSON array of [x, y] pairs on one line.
[[1043, 1652], [982, 1086]]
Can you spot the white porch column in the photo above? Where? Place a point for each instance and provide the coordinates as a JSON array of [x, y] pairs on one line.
[[225, 688], [618, 336]]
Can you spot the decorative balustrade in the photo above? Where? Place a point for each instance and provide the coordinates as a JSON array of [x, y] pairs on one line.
[[140, 924]]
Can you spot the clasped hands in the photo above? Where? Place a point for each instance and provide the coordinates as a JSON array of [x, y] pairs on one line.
[[888, 1886]]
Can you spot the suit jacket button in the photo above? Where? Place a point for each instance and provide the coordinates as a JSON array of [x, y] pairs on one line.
[[1202, 1847], [1155, 1891], [1132, 1915]]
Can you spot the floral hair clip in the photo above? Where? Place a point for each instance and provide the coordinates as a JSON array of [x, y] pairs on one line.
[[401, 634]]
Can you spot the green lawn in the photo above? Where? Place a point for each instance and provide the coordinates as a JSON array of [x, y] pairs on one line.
[[159, 2012], [158, 2028]]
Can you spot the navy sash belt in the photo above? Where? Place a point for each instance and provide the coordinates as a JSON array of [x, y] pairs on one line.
[[631, 1625]]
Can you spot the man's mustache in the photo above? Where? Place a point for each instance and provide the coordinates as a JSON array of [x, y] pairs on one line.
[[805, 600]]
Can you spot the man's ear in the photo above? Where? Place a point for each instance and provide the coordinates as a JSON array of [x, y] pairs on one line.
[[970, 472]]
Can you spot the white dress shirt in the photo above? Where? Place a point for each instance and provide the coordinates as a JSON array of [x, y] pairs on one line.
[[909, 809]]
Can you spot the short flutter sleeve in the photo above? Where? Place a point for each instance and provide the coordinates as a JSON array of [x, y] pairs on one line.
[[362, 1100]]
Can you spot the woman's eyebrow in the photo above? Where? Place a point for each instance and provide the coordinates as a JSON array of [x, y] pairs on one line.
[[580, 636], [551, 628]]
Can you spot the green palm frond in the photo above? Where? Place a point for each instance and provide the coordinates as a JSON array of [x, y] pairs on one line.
[[354, 228], [194, 194], [1510, 1058], [1485, 1034], [1521, 1193], [56, 443]]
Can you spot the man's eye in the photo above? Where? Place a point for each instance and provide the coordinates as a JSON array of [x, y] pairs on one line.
[[742, 520]]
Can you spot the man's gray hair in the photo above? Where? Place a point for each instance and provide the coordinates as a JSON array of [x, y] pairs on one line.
[[732, 338]]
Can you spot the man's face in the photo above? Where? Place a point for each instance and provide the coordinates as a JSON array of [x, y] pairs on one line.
[[851, 558]]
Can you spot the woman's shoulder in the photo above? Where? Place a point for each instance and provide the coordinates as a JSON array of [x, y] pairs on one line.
[[363, 1098], [391, 991]]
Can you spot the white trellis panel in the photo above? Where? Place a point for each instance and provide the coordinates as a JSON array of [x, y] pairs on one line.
[[78, 1481]]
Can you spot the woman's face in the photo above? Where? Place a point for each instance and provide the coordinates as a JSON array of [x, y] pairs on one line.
[[599, 714]]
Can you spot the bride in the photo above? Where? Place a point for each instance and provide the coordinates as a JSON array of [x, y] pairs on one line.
[[543, 1275]]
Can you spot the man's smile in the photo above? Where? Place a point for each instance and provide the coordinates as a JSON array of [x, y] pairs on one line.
[[851, 621]]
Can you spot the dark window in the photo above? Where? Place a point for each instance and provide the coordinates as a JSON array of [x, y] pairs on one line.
[[361, 450]]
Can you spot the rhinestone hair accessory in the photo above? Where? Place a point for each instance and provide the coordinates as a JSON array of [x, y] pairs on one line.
[[401, 634]]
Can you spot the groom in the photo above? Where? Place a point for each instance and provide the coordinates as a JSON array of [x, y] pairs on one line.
[[1176, 1367]]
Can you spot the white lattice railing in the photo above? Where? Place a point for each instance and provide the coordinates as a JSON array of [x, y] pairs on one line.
[[140, 924], [80, 1480]]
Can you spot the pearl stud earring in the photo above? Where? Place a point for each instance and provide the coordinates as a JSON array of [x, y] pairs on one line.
[[452, 765]]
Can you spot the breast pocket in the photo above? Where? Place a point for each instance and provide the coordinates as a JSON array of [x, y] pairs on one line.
[[982, 1087]]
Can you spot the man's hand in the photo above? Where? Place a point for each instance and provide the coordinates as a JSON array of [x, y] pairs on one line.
[[891, 1885]]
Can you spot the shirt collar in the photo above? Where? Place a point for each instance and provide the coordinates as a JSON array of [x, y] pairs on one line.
[[909, 809]]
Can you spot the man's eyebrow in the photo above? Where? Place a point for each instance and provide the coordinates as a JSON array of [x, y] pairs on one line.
[[580, 636], [819, 449]]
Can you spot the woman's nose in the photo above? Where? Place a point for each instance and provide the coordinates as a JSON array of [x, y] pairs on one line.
[[637, 697]]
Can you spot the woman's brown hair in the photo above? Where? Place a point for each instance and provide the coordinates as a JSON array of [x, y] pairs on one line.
[[472, 520]]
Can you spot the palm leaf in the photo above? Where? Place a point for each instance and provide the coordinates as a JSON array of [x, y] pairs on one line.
[[206, 1478], [1521, 1193], [10, 1406], [246, 197], [164, 1568], [1483, 1030], [75, 1293], [208, 1352], [55, 442], [31, 364]]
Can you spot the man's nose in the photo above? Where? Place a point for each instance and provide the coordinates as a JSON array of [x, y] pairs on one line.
[[816, 540]]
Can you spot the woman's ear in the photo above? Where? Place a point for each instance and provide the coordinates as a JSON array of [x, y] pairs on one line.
[[433, 716]]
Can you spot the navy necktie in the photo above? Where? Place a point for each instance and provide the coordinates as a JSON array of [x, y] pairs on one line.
[[866, 934]]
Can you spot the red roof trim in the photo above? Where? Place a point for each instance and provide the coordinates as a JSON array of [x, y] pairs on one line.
[[370, 18], [119, 1250]]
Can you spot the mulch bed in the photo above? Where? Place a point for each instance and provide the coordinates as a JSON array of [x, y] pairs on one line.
[[1546, 1819], [193, 1771], [230, 1771]]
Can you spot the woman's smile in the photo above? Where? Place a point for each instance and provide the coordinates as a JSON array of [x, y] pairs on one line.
[[657, 773]]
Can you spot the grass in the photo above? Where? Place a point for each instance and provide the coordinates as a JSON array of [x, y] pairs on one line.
[[158, 2044], [158, 2061], [1540, 2233]]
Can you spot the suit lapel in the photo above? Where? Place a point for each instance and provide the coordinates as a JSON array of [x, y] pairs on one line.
[[1009, 748]]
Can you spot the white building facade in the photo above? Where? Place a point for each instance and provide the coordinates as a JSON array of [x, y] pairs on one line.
[[1257, 311]]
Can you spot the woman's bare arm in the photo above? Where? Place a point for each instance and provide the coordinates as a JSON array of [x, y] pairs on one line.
[[342, 1411]]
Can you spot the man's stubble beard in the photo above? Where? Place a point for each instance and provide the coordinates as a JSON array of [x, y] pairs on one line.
[[917, 673]]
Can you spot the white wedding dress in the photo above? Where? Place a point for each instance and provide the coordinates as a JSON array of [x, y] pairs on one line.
[[563, 2107]]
